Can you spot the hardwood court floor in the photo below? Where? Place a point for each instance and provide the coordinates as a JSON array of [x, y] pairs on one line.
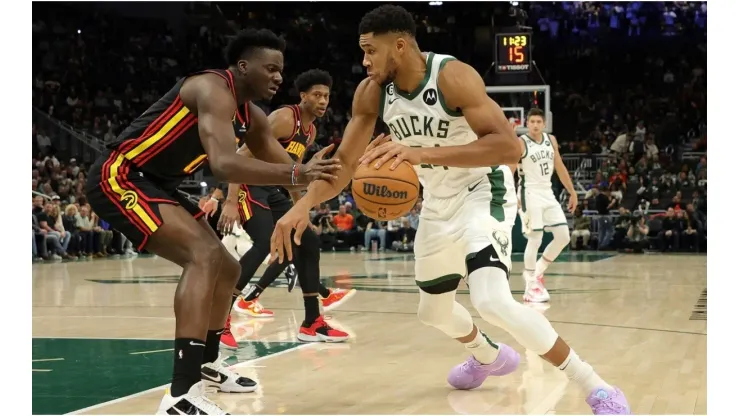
[[102, 333]]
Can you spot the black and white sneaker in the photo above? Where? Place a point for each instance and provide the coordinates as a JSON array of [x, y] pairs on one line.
[[291, 276], [194, 402], [216, 374]]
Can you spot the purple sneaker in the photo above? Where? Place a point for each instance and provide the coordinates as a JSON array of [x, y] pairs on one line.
[[604, 403], [472, 373]]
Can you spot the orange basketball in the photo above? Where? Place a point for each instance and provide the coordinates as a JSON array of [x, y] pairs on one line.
[[385, 194]]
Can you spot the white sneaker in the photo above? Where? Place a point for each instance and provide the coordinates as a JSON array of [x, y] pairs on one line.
[[216, 374], [194, 402], [536, 292]]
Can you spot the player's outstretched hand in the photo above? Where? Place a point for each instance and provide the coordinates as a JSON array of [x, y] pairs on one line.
[[387, 150], [280, 245], [318, 167], [229, 216]]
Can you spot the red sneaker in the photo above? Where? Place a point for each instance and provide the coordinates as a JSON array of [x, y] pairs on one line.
[[252, 308], [320, 331], [336, 298], [227, 338]]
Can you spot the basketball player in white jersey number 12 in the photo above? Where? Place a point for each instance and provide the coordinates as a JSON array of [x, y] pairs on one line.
[[539, 209], [443, 122]]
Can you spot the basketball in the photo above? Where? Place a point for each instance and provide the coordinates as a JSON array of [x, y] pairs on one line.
[[384, 194]]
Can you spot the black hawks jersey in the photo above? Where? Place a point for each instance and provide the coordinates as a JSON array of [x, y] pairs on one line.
[[164, 142], [296, 144]]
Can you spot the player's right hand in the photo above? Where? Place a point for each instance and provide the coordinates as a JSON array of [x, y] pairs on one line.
[[297, 218], [229, 216], [318, 167]]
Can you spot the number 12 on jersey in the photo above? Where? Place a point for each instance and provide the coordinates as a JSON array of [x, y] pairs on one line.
[[545, 169]]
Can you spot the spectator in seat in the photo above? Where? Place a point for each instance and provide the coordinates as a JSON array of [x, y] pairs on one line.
[[69, 220], [676, 204], [323, 225], [52, 212], [413, 216], [39, 241], [670, 233], [89, 239], [637, 234], [581, 228], [392, 230], [51, 236], [375, 229], [690, 237], [406, 235], [622, 226], [345, 224], [605, 203], [651, 150]]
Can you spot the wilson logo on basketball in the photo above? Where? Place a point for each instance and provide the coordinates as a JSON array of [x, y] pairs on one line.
[[383, 191]]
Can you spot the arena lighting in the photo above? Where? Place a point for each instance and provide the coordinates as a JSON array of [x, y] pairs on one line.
[[514, 3], [203, 184], [435, 3]]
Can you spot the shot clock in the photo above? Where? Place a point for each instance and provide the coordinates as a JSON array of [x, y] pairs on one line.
[[513, 53]]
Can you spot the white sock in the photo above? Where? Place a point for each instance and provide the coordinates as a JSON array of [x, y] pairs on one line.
[[582, 373], [541, 266], [482, 348]]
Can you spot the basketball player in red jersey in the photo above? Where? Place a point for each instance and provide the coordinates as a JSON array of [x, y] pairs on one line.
[[258, 207], [454, 98], [133, 185]]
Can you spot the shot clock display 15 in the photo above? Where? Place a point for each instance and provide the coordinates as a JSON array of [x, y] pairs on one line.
[[513, 52]]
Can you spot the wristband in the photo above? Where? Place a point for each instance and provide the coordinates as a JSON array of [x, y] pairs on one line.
[[294, 174]]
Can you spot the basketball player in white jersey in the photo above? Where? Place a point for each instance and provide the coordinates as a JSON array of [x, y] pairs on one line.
[[439, 106], [540, 210]]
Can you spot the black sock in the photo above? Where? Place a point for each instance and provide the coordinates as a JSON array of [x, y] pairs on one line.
[[188, 359], [254, 292], [272, 273], [213, 340], [324, 292], [311, 304]]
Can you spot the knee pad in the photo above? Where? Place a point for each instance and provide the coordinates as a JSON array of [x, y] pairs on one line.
[[487, 257]]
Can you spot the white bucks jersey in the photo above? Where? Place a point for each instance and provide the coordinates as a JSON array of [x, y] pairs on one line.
[[537, 163], [421, 119]]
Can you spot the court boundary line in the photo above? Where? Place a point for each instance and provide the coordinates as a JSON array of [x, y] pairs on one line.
[[141, 393]]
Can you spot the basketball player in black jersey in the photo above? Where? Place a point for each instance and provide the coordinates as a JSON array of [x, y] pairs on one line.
[[133, 185], [256, 207]]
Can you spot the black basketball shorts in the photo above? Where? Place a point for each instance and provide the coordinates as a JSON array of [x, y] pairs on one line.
[[120, 194]]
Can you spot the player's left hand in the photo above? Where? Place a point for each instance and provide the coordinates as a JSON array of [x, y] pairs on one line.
[[573, 203], [389, 150], [210, 207], [229, 216]]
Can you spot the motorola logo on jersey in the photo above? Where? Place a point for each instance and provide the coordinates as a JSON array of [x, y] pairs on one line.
[[383, 191], [130, 198], [430, 96]]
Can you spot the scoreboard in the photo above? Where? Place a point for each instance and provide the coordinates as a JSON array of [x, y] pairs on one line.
[[513, 53]]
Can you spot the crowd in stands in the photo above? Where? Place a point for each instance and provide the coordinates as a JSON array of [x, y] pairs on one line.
[[628, 98]]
